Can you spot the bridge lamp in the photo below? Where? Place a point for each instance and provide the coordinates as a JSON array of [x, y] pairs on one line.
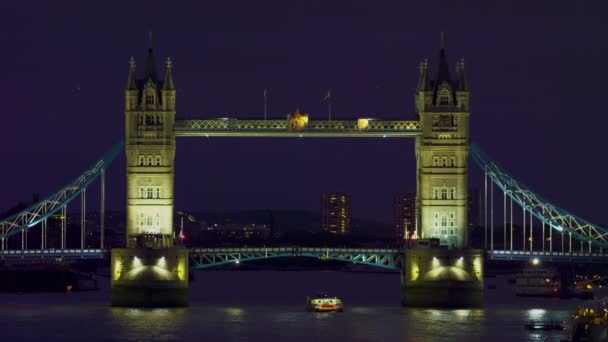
[[535, 261], [236, 261]]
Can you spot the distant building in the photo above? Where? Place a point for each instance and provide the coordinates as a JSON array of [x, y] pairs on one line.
[[405, 213], [335, 213], [474, 208], [237, 232]]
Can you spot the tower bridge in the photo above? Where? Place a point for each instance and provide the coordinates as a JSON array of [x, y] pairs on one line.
[[150, 270]]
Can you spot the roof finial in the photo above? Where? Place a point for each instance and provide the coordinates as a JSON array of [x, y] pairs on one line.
[[168, 84], [150, 40], [442, 41], [132, 63]]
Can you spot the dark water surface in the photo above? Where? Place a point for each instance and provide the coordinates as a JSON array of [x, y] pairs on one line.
[[269, 305]]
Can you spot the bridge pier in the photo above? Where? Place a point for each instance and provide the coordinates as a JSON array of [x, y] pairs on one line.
[[146, 277], [435, 277]]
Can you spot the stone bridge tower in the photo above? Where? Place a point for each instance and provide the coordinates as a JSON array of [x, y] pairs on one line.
[[150, 149], [442, 104], [150, 271]]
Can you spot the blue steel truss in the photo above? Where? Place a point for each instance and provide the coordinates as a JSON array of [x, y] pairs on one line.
[[202, 258], [44, 209], [547, 212], [89, 253], [548, 256]]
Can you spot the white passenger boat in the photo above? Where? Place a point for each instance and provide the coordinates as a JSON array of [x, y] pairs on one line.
[[323, 303]]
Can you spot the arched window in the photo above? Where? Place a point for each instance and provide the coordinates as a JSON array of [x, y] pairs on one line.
[[435, 161], [149, 162], [157, 161], [141, 119], [158, 192], [141, 192], [150, 99], [444, 96], [140, 160], [444, 161]]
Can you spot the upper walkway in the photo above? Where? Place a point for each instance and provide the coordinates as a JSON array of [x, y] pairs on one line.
[[229, 127]]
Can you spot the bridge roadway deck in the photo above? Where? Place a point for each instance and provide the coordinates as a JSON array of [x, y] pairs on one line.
[[357, 255], [229, 127]]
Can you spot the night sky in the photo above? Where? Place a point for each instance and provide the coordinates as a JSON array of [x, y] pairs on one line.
[[537, 72]]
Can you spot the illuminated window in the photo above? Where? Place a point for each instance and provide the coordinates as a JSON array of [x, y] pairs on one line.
[[444, 100], [150, 99]]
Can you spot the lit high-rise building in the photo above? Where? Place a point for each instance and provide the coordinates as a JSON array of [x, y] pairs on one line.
[[405, 211], [335, 213]]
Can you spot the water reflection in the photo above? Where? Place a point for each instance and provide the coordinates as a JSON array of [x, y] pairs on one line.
[[163, 324], [536, 314], [234, 314]]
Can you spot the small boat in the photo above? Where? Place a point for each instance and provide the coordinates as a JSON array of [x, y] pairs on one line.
[[323, 303]]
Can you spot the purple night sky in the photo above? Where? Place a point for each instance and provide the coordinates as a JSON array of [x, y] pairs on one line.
[[537, 71]]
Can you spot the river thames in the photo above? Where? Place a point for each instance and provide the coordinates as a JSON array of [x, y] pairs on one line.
[[269, 305]]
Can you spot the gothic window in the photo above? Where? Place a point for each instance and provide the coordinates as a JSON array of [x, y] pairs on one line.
[[444, 193], [141, 220], [453, 193], [158, 192], [150, 99], [141, 119], [444, 221], [140, 160], [452, 161], [149, 193], [157, 160], [444, 100], [149, 160], [141, 192], [444, 161]]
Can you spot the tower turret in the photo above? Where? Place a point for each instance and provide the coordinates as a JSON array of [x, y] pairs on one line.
[[131, 92]]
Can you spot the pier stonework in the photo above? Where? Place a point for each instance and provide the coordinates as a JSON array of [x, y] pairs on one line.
[[150, 271], [437, 277]]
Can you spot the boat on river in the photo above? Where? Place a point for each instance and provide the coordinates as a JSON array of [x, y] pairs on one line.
[[324, 303]]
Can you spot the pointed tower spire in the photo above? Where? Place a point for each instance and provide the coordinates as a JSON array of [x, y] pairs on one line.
[[168, 84], [131, 82], [423, 78], [150, 72], [461, 76], [443, 72]]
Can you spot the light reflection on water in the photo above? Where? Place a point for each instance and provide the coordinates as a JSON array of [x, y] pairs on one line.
[[275, 313]]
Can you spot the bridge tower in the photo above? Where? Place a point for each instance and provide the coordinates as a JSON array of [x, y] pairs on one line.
[[448, 275], [442, 104], [150, 149], [150, 271]]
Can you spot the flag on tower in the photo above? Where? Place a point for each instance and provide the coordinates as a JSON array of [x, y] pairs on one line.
[[327, 97]]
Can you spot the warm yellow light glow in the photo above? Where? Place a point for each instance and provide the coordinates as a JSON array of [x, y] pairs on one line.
[[477, 268], [117, 269], [298, 121], [362, 124], [460, 262], [435, 263], [161, 262], [136, 263], [415, 271], [535, 261]]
